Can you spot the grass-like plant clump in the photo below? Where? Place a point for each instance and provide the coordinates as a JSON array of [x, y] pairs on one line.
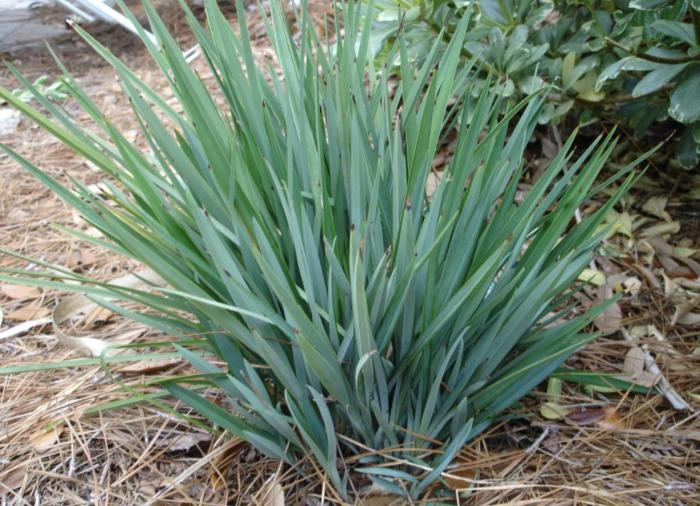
[[292, 227]]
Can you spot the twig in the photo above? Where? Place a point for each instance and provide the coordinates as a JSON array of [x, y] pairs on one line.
[[651, 58], [536, 444], [23, 327]]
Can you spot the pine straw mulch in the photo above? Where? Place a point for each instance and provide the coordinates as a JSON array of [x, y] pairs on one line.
[[61, 444]]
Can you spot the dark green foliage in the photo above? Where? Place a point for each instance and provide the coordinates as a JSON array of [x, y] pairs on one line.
[[638, 60]]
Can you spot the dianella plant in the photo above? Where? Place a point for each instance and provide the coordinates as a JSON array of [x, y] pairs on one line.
[[338, 305]]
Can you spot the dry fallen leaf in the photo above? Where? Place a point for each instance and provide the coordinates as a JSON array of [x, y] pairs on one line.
[[12, 479], [612, 420], [648, 275], [672, 227], [222, 463], [605, 418], [611, 319], [586, 416], [97, 316], [184, 442], [656, 206], [690, 319], [683, 313], [668, 255], [381, 500], [79, 258], [690, 265], [634, 368], [149, 366], [671, 288], [689, 284], [27, 313], [632, 286], [634, 361], [20, 291], [650, 365], [460, 478], [45, 439], [680, 251], [79, 307], [274, 496], [620, 223], [84, 226]]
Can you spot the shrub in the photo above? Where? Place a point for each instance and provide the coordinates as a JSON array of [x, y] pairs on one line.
[[638, 60], [300, 247]]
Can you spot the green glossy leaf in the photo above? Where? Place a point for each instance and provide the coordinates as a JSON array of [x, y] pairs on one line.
[[658, 78], [684, 105], [679, 31]]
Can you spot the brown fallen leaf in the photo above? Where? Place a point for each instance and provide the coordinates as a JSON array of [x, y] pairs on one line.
[[79, 258], [381, 500], [460, 478], [606, 418], [586, 416], [17, 215], [222, 463], [45, 439], [672, 227], [634, 368], [13, 478], [689, 284], [184, 442], [634, 361], [683, 313], [646, 253], [149, 366], [671, 288], [79, 307], [27, 313], [648, 275], [669, 264], [98, 316], [670, 258], [612, 419], [20, 291], [690, 264], [611, 319]]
